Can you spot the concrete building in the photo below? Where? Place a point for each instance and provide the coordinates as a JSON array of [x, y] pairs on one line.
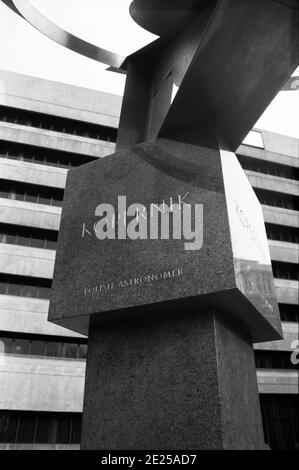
[[46, 128]]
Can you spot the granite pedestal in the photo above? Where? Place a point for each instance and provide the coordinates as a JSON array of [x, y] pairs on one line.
[[185, 381], [170, 357]]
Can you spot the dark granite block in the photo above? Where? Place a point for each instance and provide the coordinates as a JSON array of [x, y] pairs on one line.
[[117, 278], [185, 382]]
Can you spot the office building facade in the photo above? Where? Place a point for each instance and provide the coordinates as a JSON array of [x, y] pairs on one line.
[[45, 129]]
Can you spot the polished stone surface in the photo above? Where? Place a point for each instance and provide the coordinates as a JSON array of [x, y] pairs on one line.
[[251, 256], [113, 277], [185, 382]]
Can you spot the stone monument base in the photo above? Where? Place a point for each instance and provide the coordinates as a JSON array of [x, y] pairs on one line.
[[185, 380]]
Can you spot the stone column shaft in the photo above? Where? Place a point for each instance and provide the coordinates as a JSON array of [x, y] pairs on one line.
[[171, 381]]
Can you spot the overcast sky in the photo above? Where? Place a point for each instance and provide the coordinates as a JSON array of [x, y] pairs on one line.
[[106, 23]]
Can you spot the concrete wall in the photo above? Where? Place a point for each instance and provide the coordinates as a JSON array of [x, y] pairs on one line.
[[273, 183], [278, 381], [29, 214], [28, 315], [26, 261], [41, 384], [288, 146], [32, 173], [286, 291], [284, 251], [280, 216], [59, 99], [276, 147], [266, 155], [55, 140]]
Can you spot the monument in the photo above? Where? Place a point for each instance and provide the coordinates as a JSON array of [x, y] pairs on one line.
[[162, 254]]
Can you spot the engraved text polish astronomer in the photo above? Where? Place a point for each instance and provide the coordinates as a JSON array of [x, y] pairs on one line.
[[176, 220]]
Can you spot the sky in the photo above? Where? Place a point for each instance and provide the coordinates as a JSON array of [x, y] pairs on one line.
[[106, 23]]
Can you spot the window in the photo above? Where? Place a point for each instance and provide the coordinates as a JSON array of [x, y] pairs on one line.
[[52, 349], [27, 291], [28, 236], [282, 233], [289, 312], [280, 415], [58, 124], [43, 430], [70, 350], [26, 427], [15, 289], [274, 360], [39, 427], [24, 286], [6, 346], [275, 199], [20, 347], [43, 346], [82, 351], [269, 168], [22, 240], [37, 348], [283, 270], [31, 193]]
